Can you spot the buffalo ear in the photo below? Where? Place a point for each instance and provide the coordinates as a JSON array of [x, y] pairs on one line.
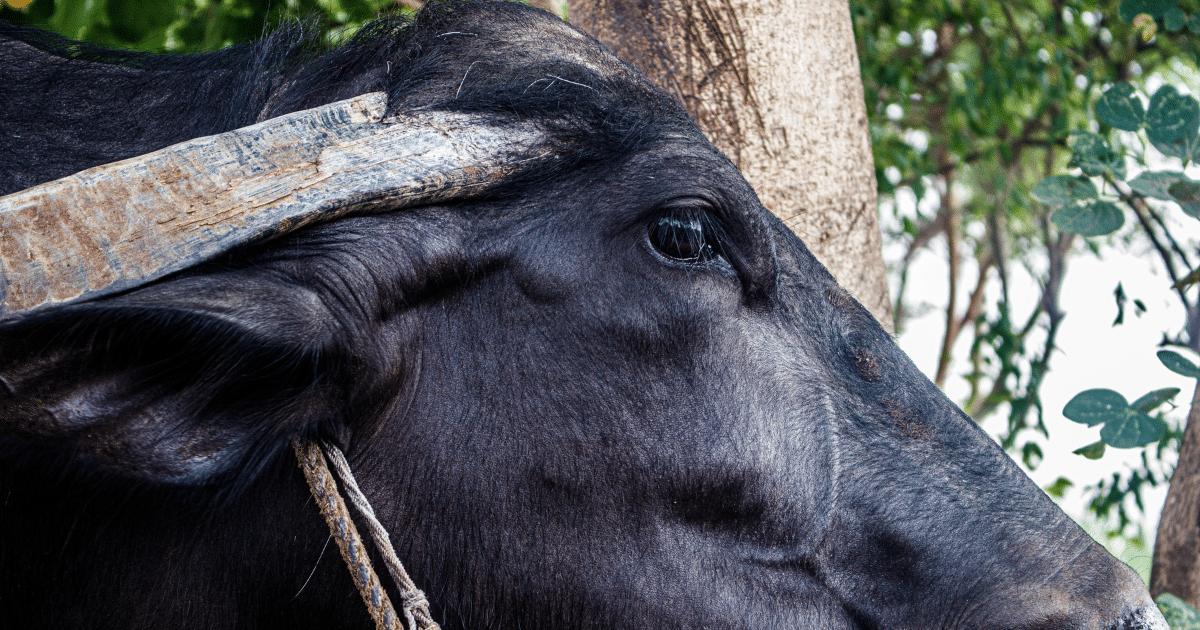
[[177, 383]]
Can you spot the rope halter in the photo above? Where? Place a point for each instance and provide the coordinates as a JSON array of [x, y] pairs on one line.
[[341, 527]]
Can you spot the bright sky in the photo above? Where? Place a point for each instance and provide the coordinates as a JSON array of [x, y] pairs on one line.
[[1092, 354]]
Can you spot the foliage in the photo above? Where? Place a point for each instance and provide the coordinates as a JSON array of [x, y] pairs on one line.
[[1017, 133], [1125, 425], [191, 25], [1171, 124], [1178, 613]]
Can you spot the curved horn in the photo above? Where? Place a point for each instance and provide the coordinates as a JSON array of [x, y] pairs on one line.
[[121, 225]]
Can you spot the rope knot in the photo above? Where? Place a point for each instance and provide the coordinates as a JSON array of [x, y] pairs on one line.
[[416, 609], [414, 599]]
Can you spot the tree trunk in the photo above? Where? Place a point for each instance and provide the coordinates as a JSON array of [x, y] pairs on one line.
[[1176, 567], [776, 87]]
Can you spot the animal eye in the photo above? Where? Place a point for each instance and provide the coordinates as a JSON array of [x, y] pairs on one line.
[[684, 236]]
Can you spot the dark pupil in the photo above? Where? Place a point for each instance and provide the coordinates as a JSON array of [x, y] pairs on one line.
[[680, 237]]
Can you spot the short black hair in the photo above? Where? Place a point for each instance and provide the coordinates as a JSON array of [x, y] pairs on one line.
[[72, 105]]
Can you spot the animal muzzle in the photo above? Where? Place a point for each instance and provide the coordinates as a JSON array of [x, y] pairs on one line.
[[1088, 601], [1145, 617], [1123, 601]]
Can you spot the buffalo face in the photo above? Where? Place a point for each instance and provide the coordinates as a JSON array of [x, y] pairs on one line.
[[716, 440], [612, 391]]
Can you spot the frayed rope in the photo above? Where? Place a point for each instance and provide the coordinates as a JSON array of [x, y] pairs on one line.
[[341, 526]]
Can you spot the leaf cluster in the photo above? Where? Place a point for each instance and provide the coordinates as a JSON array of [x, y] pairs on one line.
[[1171, 124], [1125, 425], [1115, 499]]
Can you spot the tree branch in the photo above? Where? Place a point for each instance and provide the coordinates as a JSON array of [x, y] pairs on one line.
[[1012, 26], [1135, 203], [953, 230], [975, 302], [1157, 216]]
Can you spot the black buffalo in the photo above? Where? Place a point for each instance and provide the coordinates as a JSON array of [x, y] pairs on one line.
[[613, 392]]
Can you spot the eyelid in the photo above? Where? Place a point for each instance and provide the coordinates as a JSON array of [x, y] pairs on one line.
[[700, 207], [690, 215], [688, 204]]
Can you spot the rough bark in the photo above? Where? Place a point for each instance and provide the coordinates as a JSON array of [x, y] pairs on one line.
[[776, 86], [1176, 569]]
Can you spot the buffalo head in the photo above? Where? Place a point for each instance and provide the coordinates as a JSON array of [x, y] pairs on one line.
[[603, 388]]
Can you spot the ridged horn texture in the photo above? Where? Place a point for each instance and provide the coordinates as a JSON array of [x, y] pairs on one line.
[[122, 225]]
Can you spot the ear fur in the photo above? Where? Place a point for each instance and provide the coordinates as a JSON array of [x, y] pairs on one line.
[[178, 383], [207, 375]]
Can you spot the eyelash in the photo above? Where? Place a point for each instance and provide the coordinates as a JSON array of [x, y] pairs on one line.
[[686, 234]]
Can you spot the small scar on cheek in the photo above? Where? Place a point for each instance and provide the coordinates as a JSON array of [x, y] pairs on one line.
[[867, 366], [905, 420]]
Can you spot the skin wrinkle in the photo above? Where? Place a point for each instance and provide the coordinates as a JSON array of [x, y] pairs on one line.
[[1082, 549], [965, 615], [835, 463]]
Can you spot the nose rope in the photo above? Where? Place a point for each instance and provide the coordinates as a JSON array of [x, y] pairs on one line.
[[341, 526]]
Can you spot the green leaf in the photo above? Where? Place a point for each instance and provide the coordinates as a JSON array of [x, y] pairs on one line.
[[1178, 613], [1119, 294], [1120, 108], [76, 20], [1031, 455], [1155, 184], [1185, 148], [1060, 485], [1177, 364], [1060, 190], [1174, 19], [1094, 219], [1156, 8], [1154, 399], [1006, 152], [1186, 192], [1193, 23], [1172, 116], [1095, 450], [1088, 144], [135, 21], [1095, 155], [1132, 430], [1094, 406]]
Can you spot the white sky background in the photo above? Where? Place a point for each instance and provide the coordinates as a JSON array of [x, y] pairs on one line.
[[1092, 354]]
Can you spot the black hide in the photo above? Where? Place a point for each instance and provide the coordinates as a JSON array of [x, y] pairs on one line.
[[565, 419]]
